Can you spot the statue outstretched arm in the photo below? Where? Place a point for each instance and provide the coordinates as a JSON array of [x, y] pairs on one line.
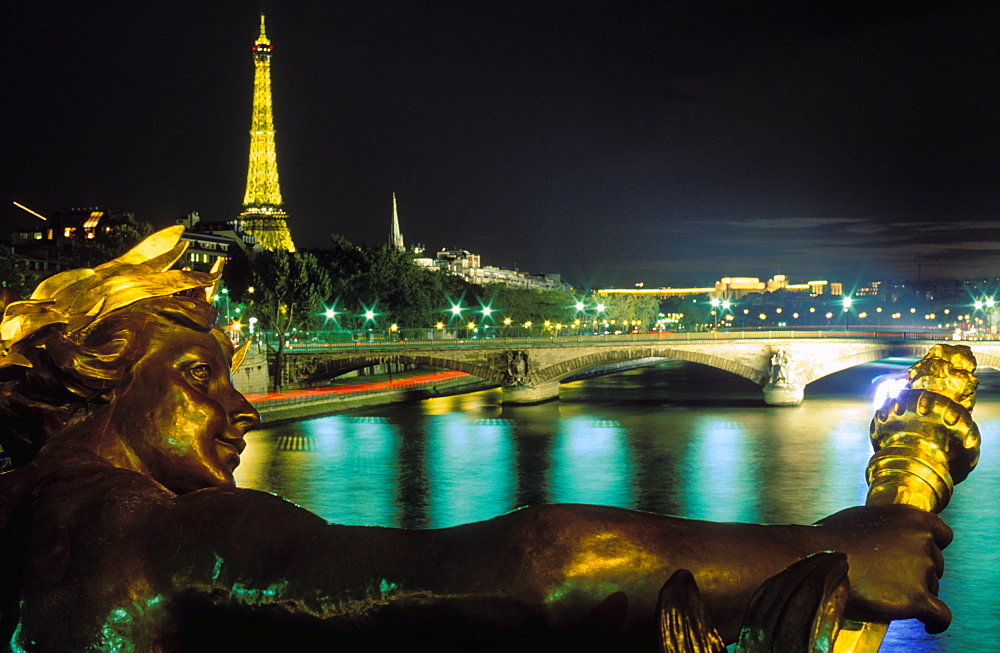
[[129, 558], [541, 569]]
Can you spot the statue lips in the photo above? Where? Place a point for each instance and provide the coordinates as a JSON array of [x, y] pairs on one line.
[[230, 449], [230, 443]]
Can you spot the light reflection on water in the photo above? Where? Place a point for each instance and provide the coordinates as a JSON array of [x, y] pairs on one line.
[[676, 439], [470, 470]]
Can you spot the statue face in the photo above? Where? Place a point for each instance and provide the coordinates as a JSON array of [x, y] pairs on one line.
[[179, 413]]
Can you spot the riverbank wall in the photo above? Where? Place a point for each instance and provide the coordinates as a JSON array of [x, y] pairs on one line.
[[279, 410]]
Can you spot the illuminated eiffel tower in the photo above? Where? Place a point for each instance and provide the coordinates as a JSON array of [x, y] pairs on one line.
[[262, 216]]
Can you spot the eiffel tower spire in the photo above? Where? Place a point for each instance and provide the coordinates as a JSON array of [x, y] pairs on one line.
[[395, 235], [262, 216]]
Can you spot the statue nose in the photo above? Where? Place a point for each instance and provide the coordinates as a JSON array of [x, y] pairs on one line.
[[245, 417]]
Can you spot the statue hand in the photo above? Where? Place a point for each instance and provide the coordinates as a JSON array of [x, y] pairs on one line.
[[895, 559]]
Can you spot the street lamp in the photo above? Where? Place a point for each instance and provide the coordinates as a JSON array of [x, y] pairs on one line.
[[456, 314], [715, 313], [727, 315], [369, 314], [847, 313], [487, 312], [986, 305], [330, 313], [599, 316]]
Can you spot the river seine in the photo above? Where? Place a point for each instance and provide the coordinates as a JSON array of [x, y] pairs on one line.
[[677, 438]]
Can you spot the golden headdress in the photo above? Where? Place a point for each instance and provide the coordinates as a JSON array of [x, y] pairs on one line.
[[77, 298]]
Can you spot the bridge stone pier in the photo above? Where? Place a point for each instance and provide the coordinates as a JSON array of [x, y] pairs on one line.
[[530, 370]]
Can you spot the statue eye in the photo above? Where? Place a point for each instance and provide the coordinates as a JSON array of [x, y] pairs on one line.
[[201, 372]]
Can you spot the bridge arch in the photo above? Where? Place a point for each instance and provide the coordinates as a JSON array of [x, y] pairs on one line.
[[833, 365], [573, 367], [331, 367]]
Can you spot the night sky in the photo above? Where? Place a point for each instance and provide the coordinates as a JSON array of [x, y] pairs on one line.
[[671, 143]]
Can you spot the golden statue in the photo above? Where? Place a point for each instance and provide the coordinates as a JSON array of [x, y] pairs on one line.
[[121, 527]]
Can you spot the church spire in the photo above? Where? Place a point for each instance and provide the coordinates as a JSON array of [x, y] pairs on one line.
[[395, 236]]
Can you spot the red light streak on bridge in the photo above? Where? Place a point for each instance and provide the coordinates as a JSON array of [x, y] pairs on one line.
[[374, 386]]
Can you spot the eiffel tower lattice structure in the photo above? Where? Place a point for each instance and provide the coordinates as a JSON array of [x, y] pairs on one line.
[[263, 216]]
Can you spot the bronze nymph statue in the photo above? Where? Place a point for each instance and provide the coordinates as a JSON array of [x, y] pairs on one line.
[[122, 528]]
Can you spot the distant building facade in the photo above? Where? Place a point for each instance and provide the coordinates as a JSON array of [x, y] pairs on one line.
[[47, 248], [468, 266], [213, 240], [733, 288], [737, 287]]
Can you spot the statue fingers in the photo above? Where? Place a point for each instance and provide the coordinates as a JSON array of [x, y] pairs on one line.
[[935, 615], [943, 535], [938, 558], [933, 584]]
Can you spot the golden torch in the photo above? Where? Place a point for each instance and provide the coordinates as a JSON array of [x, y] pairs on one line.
[[925, 442]]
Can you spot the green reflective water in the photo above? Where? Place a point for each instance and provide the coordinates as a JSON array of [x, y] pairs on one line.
[[678, 439]]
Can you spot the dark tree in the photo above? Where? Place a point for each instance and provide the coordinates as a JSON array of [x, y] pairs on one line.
[[534, 305], [387, 281], [119, 233], [288, 289], [15, 282]]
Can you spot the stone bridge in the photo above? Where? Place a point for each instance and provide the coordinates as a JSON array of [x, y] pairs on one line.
[[530, 369]]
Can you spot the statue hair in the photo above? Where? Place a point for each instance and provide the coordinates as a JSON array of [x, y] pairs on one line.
[[71, 373]]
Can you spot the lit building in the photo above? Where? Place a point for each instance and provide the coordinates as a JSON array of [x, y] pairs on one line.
[[263, 216], [209, 241], [871, 290], [818, 287], [468, 266], [45, 247], [68, 224], [731, 288], [737, 287]]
